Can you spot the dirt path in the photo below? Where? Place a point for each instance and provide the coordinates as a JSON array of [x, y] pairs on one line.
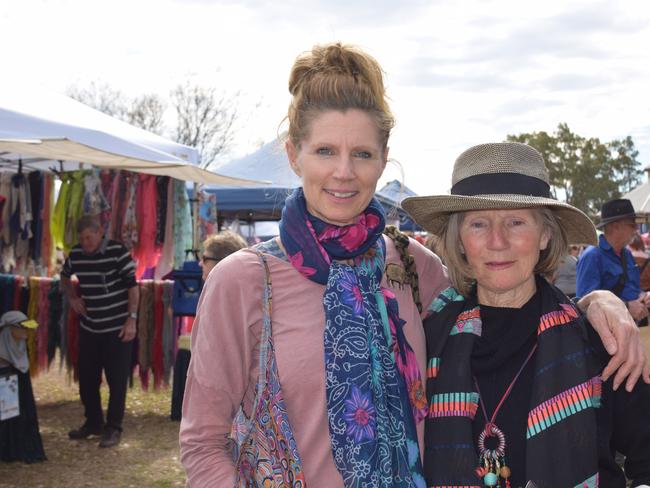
[[146, 457]]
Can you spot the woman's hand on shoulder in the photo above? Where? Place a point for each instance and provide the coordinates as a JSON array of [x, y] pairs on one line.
[[619, 333]]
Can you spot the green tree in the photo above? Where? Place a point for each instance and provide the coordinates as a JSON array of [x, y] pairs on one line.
[[585, 172]]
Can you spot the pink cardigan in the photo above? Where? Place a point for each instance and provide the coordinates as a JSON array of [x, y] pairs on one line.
[[224, 364]]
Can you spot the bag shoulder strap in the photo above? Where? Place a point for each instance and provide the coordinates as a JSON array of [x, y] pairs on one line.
[[242, 424], [401, 242], [617, 289], [265, 337]]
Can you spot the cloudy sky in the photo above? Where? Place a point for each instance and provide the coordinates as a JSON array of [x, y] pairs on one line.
[[459, 72]]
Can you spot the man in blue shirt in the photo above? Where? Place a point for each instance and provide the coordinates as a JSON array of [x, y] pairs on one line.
[[610, 266]]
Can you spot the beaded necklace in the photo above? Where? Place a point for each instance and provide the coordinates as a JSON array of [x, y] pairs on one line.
[[492, 462]]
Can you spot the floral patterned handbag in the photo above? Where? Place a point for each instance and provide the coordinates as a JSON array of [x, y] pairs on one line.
[[265, 450]]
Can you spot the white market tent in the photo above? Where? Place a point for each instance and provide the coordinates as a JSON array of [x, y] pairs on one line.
[[640, 197], [43, 131]]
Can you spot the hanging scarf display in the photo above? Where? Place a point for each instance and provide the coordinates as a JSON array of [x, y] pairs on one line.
[[162, 182], [55, 310], [59, 215], [5, 191], [20, 222], [564, 391], [157, 361], [94, 201], [35, 181], [182, 223], [207, 214], [118, 204], [169, 337], [21, 207], [74, 210], [47, 245], [129, 235], [145, 330], [369, 381], [166, 261], [145, 251]]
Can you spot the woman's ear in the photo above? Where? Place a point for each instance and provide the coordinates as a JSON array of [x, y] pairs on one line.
[[292, 155], [543, 242]]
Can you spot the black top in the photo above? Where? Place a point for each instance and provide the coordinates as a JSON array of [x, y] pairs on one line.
[[104, 278], [623, 418], [507, 338]]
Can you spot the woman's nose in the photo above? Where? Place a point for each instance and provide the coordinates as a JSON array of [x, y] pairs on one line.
[[344, 168], [497, 238]]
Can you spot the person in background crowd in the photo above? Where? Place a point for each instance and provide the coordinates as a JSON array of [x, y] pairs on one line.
[[20, 439], [640, 254], [215, 248], [515, 391], [108, 306], [565, 274], [339, 400], [610, 265]]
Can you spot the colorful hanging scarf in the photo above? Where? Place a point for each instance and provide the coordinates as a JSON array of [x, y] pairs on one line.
[[561, 443], [371, 371]]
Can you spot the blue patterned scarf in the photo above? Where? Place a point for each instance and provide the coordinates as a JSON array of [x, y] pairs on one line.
[[373, 385]]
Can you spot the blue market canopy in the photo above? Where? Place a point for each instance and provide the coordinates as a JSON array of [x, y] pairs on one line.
[[270, 163]]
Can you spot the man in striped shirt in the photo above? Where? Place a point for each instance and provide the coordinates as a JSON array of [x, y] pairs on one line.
[[107, 301]]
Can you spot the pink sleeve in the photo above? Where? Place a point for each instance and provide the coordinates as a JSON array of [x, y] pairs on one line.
[[432, 274], [224, 343]]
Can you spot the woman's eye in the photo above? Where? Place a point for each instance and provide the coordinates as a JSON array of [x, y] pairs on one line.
[[517, 222], [324, 151], [477, 225], [363, 154]]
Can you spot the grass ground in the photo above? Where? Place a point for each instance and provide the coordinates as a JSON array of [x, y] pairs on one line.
[[147, 456]]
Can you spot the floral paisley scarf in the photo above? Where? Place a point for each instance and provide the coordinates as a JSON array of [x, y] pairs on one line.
[[374, 391]]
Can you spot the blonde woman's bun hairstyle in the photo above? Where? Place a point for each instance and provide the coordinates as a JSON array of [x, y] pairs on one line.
[[336, 77]]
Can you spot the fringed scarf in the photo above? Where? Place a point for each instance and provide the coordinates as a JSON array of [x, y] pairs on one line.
[[374, 391], [561, 446]]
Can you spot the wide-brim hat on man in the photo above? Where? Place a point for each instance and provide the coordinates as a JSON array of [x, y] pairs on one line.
[[619, 209], [499, 176]]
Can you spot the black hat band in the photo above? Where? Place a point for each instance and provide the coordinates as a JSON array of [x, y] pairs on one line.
[[502, 184]]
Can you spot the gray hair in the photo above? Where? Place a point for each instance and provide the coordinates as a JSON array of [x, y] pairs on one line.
[[460, 272], [88, 222]]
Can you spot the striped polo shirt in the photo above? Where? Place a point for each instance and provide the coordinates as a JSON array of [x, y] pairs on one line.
[[104, 279]]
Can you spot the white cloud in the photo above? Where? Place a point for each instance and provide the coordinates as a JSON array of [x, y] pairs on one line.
[[458, 73]]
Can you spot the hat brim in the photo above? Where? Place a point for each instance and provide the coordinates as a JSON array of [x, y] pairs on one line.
[[638, 219], [28, 324], [432, 212]]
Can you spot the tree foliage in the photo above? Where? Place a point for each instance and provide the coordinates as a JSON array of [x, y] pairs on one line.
[[147, 112], [204, 117], [585, 172], [102, 97]]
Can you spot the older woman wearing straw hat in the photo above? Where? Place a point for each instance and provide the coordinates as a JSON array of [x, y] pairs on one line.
[[514, 372]]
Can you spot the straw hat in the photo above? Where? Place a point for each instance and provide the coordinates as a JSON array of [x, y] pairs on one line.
[[499, 176]]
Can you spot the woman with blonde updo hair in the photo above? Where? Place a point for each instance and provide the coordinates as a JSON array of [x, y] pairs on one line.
[[307, 362], [339, 399]]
